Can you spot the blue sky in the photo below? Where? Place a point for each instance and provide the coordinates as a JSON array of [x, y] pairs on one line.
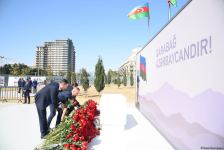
[[97, 28]]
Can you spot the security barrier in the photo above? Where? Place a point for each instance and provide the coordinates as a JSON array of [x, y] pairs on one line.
[[10, 93]]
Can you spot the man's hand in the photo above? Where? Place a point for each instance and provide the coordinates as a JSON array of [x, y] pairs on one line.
[[64, 113], [75, 103]]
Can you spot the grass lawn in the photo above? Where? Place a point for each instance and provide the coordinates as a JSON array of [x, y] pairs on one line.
[[128, 92]]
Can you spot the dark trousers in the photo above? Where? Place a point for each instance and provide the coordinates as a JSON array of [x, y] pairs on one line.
[[27, 96], [42, 121], [60, 111], [19, 90]]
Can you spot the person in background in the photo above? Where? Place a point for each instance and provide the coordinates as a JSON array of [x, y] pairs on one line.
[[34, 84], [30, 82], [26, 91], [45, 83], [48, 96], [23, 82], [19, 84]]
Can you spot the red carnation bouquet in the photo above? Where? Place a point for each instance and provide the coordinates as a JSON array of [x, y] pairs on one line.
[[83, 129], [77, 130]]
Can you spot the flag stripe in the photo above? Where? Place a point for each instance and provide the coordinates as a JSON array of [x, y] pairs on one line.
[[173, 2], [138, 16], [143, 67], [139, 12]]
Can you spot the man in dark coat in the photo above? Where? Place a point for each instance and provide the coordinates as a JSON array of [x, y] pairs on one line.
[[48, 96], [30, 83], [23, 82], [19, 84], [63, 99], [34, 84], [26, 91]]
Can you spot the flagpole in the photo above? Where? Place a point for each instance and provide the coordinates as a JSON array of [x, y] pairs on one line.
[[169, 11], [148, 19], [149, 23]]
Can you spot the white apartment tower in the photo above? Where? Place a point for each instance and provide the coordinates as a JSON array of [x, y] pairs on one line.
[[57, 56]]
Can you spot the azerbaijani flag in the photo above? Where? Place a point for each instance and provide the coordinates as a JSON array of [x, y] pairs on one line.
[[143, 67], [173, 2], [139, 12]]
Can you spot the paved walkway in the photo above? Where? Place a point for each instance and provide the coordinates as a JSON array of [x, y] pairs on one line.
[[19, 129], [139, 134]]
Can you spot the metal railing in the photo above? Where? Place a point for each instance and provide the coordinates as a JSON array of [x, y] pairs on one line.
[[10, 93]]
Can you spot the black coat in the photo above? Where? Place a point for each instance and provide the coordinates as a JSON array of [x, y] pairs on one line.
[[48, 95], [20, 83], [64, 96], [23, 82], [69, 88], [27, 87]]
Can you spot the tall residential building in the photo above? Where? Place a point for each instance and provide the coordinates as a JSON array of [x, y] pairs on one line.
[[57, 56]]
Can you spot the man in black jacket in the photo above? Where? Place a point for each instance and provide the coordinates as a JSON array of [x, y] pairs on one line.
[[26, 91], [19, 84], [48, 96], [63, 98]]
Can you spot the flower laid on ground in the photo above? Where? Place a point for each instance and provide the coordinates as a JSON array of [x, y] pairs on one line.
[[77, 130]]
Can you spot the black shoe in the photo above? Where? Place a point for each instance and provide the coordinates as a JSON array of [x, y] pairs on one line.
[[44, 136]]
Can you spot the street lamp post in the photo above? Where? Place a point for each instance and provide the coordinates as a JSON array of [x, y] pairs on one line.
[[38, 66]]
